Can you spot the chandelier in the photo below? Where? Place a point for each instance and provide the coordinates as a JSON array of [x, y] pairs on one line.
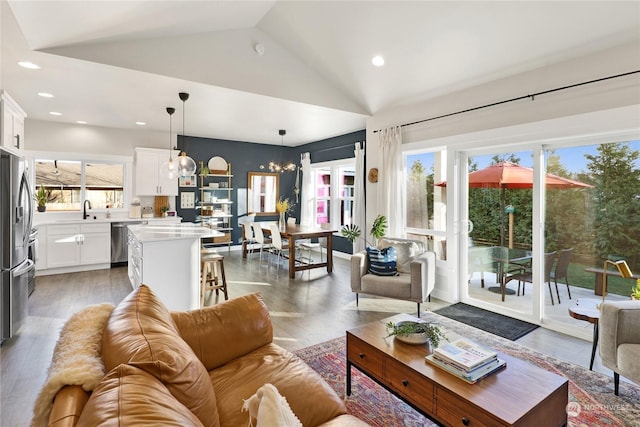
[[276, 166]]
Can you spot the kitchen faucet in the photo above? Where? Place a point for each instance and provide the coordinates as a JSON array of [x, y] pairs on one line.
[[85, 215]]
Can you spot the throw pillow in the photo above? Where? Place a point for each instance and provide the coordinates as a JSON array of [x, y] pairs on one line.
[[269, 408], [405, 250], [382, 262]]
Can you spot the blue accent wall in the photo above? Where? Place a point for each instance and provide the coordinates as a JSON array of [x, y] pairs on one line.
[[247, 157]]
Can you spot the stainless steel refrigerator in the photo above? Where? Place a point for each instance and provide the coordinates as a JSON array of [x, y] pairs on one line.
[[16, 213]]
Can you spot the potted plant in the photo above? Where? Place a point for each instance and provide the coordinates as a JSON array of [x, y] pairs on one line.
[[635, 291], [42, 196], [378, 229], [415, 333]]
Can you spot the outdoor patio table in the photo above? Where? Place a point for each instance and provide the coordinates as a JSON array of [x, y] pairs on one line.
[[506, 260]]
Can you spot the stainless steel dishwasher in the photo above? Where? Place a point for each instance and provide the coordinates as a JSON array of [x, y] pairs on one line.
[[119, 242]]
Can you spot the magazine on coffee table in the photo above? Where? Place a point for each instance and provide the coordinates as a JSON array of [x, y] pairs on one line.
[[465, 354], [470, 377]]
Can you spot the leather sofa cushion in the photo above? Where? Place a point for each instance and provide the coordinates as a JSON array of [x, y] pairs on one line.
[[310, 397], [129, 396], [141, 333], [226, 331]]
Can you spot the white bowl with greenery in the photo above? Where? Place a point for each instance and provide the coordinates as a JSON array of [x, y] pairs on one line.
[[415, 333]]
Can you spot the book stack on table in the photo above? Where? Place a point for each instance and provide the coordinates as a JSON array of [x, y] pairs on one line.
[[466, 359]]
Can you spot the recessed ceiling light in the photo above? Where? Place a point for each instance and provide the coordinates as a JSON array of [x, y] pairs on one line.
[[29, 65], [55, 113], [377, 60], [81, 122], [45, 95], [141, 123]]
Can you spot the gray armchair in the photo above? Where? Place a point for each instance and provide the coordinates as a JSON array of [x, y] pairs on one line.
[[416, 273], [619, 337]]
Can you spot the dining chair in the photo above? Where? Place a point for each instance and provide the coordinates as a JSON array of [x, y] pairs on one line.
[[258, 235], [562, 270], [526, 275], [277, 248], [248, 235]]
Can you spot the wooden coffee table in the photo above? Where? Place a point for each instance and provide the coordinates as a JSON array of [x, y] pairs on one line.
[[520, 395]]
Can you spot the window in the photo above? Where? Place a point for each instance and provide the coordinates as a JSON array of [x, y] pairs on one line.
[[72, 181], [426, 209], [334, 198]]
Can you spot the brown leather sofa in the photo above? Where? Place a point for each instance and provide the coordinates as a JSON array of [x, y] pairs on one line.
[[194, 368]]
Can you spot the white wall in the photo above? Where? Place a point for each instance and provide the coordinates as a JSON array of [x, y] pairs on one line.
[[595, 97], [61, 137]]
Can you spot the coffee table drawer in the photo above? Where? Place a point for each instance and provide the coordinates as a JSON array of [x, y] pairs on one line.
[[409, 384], [364, 356], [453, 411]]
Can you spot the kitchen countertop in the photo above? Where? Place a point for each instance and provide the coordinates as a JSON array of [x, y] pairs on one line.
[[163, 232], [61, 221]]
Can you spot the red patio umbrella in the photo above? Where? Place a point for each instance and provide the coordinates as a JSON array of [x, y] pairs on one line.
[[507, 175]]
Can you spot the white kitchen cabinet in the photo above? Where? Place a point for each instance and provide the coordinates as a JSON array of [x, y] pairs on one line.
[[41, 252], [167, 259], [78, 246], [12, 117], [149, 179]]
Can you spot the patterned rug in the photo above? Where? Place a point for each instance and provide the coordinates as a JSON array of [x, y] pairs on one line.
[[591, 399]]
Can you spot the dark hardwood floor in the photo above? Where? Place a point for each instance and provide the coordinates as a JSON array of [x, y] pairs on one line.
[[305, 311]]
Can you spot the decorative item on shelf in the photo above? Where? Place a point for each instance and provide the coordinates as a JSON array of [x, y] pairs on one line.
[[282, 207], [635, 291], [169, 167], [276, 166], [623, 268], [186, 165], [204, 170], [218, 166], [411, 332]]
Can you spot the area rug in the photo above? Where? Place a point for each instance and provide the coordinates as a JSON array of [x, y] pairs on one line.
[[497, 324], [591, 398]]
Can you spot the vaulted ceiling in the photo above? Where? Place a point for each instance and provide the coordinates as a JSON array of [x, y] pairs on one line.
[[253, 67]]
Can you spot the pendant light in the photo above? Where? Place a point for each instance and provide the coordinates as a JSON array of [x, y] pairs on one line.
[[186, 165], [169, 168], [277, 167]]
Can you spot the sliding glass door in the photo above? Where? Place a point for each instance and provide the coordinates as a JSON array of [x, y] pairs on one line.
[[499, 235]]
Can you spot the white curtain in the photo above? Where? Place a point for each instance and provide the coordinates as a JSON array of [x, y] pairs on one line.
[[359, 202], [306, 191], [390, 201]]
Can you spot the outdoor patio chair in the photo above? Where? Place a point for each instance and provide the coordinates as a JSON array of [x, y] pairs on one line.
[[562, 269], [526, 275]]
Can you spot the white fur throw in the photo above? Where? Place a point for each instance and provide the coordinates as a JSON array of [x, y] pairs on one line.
[[77, 358], [269, 408]]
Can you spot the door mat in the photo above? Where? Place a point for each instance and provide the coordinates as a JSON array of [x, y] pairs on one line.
[[497, 324]]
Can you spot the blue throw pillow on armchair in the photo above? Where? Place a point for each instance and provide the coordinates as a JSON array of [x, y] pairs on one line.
[[382, 262]]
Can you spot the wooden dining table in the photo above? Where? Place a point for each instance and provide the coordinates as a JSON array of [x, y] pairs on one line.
[[293, 232]]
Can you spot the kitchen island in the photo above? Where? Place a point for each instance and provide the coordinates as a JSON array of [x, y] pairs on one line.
[[167, 259]]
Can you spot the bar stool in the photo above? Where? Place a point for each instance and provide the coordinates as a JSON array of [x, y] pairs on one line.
[[212, 274]]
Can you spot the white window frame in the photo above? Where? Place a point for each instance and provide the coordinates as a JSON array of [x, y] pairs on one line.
[[125, 161], [335, 197]]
